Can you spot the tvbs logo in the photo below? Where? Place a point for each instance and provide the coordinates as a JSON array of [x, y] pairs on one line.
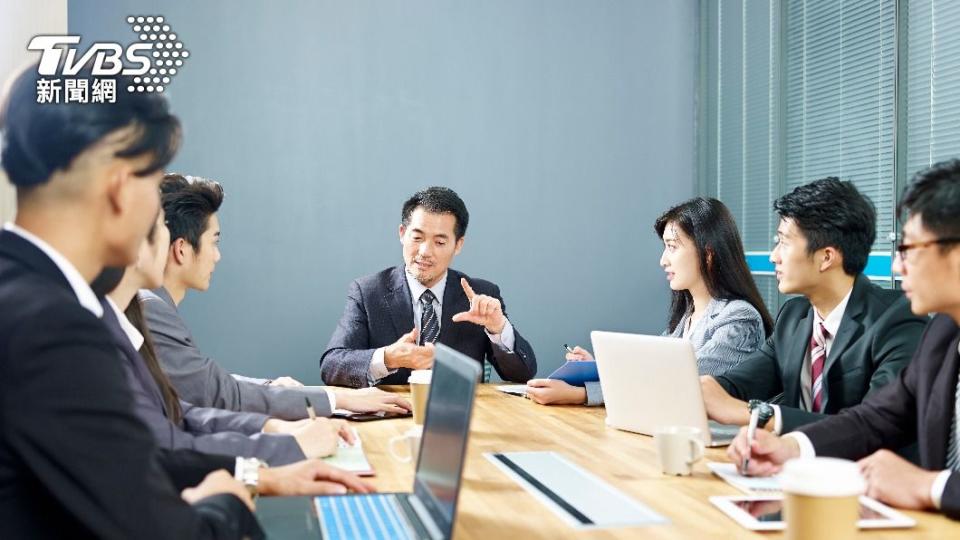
[[107, 57], [151, 61]]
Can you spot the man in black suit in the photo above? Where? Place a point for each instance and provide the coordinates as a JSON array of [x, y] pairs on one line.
[[393, 318], [843, 339], [74, 459], [923, 403]]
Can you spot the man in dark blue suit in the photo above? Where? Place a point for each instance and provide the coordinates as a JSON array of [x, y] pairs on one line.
[[393, 318]]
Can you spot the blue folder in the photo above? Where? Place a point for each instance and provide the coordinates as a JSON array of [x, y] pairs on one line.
[[576, 372]]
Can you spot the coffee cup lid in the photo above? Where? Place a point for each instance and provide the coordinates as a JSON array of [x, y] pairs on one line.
[[822, 477], [420, 376]]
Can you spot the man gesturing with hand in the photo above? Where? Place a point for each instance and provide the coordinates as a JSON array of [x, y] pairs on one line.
[[393, 318]]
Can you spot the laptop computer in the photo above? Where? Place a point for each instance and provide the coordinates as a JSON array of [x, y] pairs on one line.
[[652, 381], [430, 510]]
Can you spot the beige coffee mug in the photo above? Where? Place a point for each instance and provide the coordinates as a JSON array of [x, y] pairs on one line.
[[678, 447], [419, 392], [409, 440], [821, 498]]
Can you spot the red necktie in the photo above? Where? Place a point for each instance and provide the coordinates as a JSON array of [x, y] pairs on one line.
[[818, 355]]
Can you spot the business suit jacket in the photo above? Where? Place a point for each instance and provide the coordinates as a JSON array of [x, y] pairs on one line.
[[74, 459], [918, 406], [876, 338], [379, 310], [201, 381], [205, 429]]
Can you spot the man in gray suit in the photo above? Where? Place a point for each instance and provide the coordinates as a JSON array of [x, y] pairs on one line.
[[191, 204], [393, 318]]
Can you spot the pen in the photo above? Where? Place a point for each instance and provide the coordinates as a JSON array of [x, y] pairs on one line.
[[567, 347], [751, 433], [310, 411]]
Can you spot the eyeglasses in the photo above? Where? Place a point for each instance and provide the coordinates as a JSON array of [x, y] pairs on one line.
[[903, 248]]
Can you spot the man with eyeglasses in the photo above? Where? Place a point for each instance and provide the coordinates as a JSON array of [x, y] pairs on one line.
[[923, 404]]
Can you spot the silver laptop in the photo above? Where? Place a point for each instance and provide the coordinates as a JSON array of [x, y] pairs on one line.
[[652, 381], [429, 511]]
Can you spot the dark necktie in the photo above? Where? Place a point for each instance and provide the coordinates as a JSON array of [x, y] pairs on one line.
[[429, 325]]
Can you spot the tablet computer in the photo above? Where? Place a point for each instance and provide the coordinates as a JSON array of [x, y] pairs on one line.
[[765, 513]]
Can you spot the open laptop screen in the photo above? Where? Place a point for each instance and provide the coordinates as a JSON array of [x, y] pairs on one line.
[[445, 430]]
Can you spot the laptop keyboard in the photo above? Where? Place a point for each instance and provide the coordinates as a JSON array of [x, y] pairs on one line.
[[362, 517]]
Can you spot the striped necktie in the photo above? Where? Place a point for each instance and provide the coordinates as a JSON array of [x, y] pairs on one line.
[[429, 325], [953, 453], [818, 356]]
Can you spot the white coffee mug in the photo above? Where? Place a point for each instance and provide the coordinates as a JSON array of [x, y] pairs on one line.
[[679, 447], [409, 440]]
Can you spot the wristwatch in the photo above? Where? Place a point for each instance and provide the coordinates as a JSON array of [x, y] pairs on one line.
[[766, 411], [247, 471]]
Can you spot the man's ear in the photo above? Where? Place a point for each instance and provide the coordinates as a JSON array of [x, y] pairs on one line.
[[459, 245], [119, 175], [402, 230], [831, 258], [178, 250]]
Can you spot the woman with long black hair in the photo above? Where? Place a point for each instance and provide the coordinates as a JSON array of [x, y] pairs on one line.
[[715, 304]]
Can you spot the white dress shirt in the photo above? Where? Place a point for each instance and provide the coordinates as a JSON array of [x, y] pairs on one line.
[[832, 325], [378, 369], [134, 335]]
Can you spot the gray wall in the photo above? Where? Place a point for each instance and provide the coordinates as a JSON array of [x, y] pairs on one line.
[[565, 126]]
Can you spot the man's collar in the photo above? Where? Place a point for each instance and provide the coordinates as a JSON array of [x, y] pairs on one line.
[[80, 287], [417, 289], [832, 322]]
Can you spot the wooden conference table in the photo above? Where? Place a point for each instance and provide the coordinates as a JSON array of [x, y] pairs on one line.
[[491, 505]]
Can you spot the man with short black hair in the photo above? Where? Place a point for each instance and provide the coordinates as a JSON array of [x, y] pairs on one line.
[[923, 403], [393, 318], [844, 338], [191, 205]]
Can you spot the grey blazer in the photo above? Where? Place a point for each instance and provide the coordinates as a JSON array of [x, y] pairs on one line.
[[214, 431], [729, 331], [201, 381]]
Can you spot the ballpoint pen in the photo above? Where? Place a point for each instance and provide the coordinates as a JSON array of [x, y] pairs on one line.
[[751, 433]]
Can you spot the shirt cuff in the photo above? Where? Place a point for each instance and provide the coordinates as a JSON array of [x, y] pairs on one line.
[[806, 447], [505, 339], [333, 399], [777, 420], [939, 484], [378, 370]]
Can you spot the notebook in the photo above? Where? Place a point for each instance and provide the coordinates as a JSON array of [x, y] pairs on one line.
[[751, 485], [351, 458]]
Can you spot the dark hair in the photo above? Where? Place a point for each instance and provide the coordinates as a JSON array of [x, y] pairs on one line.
[[438, 200], [188, 202], [148, 352], [723, 263], [934, 195], [42, 138], [833, 213]]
